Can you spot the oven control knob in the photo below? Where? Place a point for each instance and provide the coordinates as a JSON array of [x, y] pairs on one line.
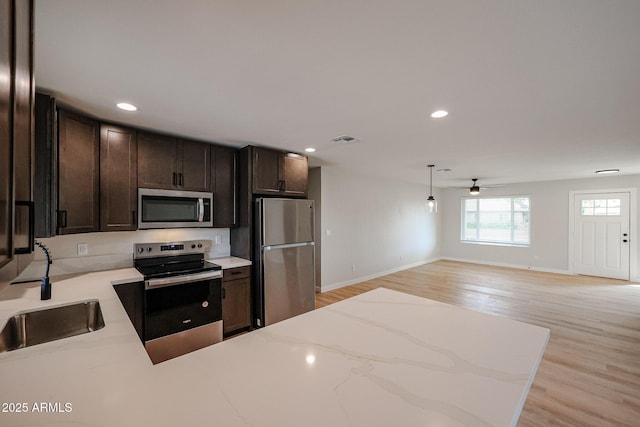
[[140, 250], [149, 249], [199, 245], [193, 246], [205, 304]]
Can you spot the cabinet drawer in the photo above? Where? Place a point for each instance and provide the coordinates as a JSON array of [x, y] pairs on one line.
[[236, 273]]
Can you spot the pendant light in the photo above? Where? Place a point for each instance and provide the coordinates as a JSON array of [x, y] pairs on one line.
[[431, 202], [474, 190]]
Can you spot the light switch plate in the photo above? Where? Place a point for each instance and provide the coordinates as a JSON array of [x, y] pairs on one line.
[[83, 249]]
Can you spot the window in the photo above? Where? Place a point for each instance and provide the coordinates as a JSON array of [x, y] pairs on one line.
[[609, 207], [503, 220]]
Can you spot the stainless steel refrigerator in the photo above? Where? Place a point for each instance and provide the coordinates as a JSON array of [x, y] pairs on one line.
[[285, 259]]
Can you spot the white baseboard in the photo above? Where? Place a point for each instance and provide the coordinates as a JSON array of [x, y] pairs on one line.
[[504, 264], [338, 285]]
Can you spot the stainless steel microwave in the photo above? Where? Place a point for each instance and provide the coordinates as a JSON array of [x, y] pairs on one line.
[[174, 209]]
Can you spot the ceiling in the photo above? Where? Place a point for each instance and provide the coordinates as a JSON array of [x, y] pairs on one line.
[[536, 90]]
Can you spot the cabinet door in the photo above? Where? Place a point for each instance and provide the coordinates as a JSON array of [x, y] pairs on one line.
[[45, 165], [157, 156], [118, 178], [23, 98], [132, 298], [266, 171], [196, 166], [296, 174], [6, 176], [22, 101], [223, 185], [235, 305], [78, 174]]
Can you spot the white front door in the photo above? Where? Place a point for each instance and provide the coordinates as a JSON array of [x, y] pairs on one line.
[[601, 235]]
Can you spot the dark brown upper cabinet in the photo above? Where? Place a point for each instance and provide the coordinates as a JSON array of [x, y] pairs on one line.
[[23, 107], [169, 163], [223, 185], [118, 178], [296, 174], [78, 174], [16, 131], [46, 163], [6, 140], [196, 165], [279, 173]]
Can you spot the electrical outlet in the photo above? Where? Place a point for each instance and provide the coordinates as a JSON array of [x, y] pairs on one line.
[[83, 249], [353, 267], [217, 240]]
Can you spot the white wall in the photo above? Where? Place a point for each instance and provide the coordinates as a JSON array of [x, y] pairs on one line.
[[549, 224], [315, 192], [371, 226]]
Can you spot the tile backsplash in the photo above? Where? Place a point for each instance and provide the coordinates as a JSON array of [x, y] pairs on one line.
[[110, 250]]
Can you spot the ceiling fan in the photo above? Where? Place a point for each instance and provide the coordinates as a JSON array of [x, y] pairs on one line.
[[474, 190]]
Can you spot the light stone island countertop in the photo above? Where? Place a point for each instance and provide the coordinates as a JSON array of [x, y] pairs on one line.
[[379, 359]]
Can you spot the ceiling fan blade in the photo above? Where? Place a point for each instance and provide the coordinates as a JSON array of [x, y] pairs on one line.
[[493, 186], [466, 187]]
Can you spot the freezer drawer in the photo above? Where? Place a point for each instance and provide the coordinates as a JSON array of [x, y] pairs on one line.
[[289, 281]]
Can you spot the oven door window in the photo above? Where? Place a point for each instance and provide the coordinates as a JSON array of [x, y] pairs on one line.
[[173, 309]]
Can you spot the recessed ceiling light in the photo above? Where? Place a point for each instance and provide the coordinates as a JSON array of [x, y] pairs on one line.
[[126, 106], [606, 171], [439, 114], [310, 150]]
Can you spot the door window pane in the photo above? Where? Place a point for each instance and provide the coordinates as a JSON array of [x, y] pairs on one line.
[[601, 207]]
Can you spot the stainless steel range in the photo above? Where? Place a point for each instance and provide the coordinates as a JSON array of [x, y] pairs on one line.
[[182, 298]]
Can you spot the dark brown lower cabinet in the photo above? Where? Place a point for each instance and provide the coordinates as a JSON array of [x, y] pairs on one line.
[[236, 302], [132, 298], [118, 178]]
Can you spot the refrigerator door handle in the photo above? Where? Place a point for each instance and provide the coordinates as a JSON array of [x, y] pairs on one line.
[[288, 245]]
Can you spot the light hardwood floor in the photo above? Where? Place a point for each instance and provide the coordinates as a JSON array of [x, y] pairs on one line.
[[590, 372]]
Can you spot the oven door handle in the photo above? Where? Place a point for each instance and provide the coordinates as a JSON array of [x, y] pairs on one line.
[[181, 280]]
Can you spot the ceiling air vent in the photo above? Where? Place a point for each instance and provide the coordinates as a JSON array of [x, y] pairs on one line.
[[344, 139]]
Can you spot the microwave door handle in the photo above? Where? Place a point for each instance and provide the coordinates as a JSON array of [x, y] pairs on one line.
[[200, 209]]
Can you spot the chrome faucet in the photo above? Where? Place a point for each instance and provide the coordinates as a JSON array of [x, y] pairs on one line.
[[45, 287]]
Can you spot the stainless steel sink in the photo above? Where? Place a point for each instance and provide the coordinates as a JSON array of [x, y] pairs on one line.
[[49, 324]]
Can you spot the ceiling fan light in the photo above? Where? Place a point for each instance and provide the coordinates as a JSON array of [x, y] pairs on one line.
[[474, 190]]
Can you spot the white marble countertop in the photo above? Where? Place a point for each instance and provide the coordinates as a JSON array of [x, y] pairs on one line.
[[230, 262], [382, 358]]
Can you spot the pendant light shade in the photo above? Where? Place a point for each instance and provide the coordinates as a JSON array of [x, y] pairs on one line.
[[432, 204]]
